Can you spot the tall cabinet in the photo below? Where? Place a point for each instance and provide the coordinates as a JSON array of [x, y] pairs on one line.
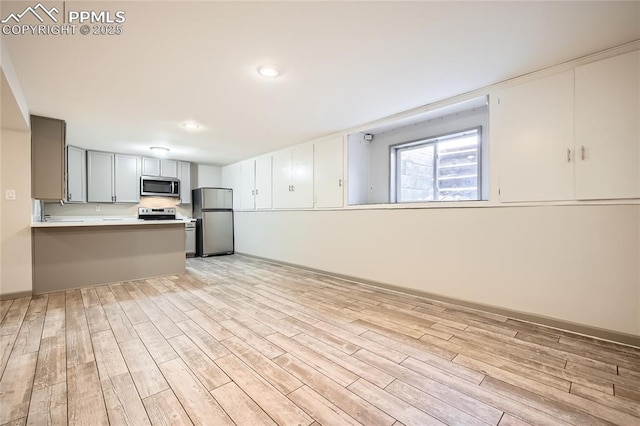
[[48, 136]]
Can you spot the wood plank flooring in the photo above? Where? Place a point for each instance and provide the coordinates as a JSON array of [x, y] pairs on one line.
[[237, 340]]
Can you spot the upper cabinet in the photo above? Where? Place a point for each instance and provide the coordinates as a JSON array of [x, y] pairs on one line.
[[76, 175], [255, 183], [184, 174], [293, 178], [532, 124], [150, 166], [113, 178], [159, 167], [328, 164], [572, 135], [607, 136], [47, 158]]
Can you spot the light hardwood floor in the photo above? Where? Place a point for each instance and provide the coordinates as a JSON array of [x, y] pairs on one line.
[[237, 340]]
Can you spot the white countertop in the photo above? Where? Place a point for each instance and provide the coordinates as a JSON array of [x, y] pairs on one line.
[[104, 222]]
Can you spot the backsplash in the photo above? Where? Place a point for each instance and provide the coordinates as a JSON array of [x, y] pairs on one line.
[[107, 209]]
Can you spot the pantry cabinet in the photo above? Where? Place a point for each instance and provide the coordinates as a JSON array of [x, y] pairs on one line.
[[328, 166], [76, 175], [607, 117], [293, 178]]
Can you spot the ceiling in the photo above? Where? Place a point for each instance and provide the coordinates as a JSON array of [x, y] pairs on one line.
[[344, 64]]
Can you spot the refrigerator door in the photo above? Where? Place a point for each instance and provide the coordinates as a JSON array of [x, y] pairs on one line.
[[216, 198], [217, 232]]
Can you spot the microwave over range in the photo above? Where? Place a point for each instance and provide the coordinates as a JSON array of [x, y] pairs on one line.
[[159, 186]]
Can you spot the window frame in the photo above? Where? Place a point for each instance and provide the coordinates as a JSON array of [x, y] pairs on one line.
[[394, 166]]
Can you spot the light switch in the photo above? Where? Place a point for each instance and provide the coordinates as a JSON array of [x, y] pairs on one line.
[[10, 194]]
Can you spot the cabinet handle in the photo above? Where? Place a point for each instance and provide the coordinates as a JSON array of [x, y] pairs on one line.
[[257, 192], [340, 182], [582, 153], [253, 192], [568, 155], [293, 188]]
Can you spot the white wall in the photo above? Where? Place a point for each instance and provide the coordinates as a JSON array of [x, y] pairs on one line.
[[15, 222], [207, 176], [573, 263]]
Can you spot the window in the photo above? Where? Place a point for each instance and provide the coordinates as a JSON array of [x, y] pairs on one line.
[[443, 168]]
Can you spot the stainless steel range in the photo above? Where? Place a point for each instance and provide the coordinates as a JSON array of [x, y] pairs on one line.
[[162, 213]]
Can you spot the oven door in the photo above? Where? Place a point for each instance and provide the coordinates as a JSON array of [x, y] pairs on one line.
[[158, 186]]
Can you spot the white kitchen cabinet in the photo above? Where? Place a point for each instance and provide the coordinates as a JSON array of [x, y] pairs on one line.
[[263, 182], [247, 185], [184, 174], [255, 183], [150, 166], [328, 164], [113, 178], [293, 178], [606, 124], [76, 175], [127, 179], [169, 168], [159, 167], [532, 125], [100, 177]]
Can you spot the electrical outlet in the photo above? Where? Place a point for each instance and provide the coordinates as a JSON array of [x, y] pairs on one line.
[[98, 208], [10, 194]]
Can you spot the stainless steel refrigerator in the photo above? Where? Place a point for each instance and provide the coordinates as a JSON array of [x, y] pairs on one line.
[[213, 211]]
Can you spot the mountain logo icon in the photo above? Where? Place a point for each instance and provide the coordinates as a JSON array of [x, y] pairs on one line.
[[34, 11]]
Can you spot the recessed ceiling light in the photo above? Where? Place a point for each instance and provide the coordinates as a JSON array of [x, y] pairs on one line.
[[190, 125], [269, 71], [159, 151]]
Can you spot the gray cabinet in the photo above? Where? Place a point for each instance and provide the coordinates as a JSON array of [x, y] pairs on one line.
[[113, 178], [159, 167], [47, 158], [100, 174], [127, 179], [150, 166], [184, 174], [76, 175]]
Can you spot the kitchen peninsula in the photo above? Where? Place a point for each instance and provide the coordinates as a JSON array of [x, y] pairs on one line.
[[73, 254]]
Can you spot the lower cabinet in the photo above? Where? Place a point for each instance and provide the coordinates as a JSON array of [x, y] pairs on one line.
[[113, 178]]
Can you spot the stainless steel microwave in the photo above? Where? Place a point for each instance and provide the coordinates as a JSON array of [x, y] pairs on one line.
[[159, 186]]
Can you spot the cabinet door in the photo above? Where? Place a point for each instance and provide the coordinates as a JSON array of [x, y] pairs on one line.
[[328, 162], [169, 168], [263, 182], [302, 176], [607, 136], [100, 177], [150, 166], [282, 198], [532, 124], [127, 179], [184, 169], [247, 185], [76, 175], [47, 158]]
